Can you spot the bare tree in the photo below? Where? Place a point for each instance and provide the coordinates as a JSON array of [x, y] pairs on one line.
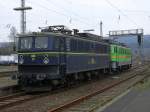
[[12, 36]]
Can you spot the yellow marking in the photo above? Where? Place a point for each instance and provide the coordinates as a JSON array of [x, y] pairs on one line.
[[67, 53], [120, 56]]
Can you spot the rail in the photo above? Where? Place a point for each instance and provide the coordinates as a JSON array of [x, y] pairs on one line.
[[83, 98]]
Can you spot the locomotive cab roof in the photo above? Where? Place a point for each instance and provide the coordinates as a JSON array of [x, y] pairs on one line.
[[61, 30]]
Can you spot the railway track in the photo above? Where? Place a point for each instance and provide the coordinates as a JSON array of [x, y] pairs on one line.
[[16, 99], [79, 100]]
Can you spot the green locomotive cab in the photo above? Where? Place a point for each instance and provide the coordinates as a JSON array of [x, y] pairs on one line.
[[121, 57]]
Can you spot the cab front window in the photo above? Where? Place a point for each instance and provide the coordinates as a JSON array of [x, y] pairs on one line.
[[41, 42], [26, 43]]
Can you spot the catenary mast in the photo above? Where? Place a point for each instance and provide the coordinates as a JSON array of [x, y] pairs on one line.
[[23, 9]]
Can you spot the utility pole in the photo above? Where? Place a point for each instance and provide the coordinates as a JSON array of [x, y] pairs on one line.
[[23, 15], [101, 28]]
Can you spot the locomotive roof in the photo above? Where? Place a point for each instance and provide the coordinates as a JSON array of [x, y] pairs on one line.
[[110, 41], [87, 36]]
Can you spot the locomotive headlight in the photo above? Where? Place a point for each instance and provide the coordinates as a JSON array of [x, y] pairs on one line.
[[21, 60]]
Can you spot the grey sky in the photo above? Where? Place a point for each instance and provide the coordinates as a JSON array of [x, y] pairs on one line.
[[81, 14]]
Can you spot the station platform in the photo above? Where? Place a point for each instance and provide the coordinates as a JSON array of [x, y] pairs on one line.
[[135, 100]]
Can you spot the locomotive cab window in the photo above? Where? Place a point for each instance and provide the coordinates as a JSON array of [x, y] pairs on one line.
[[41, 42], [55, 44], [26, 43]]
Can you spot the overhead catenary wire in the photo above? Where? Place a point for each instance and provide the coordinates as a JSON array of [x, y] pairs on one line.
[[121, 12], [60, 13], [66, 10], [139, 11], [73, 14], [44, 7]]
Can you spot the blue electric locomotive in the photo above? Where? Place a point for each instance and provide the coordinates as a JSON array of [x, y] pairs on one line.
[[54, 57]]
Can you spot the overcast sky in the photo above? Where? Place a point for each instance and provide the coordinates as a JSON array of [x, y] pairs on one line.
[[81, 14]]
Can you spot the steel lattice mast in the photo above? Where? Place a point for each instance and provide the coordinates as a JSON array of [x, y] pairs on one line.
[[23, 9]]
